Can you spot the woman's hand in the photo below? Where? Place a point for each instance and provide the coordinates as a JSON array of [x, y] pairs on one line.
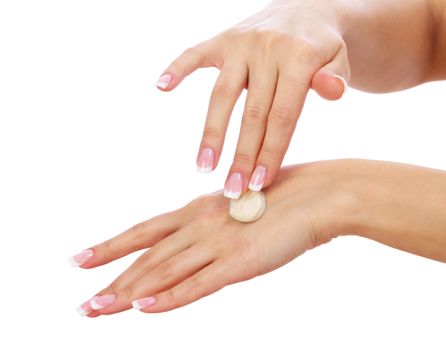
[[293, 45], [277, 54], [199, 248]]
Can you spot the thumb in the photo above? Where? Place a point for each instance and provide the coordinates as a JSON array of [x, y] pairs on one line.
[[330, 81]]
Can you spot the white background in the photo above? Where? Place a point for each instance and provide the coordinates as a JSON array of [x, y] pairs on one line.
[[88, 147]]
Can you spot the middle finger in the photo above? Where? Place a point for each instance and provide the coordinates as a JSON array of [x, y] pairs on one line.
[[261, 89]]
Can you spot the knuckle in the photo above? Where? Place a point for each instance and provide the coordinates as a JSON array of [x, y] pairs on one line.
[[306, 53], [146, 258], [235, 35], [211, 133], [275, 39], [114, 287], [272, 35], [166, 270], [128, 292], [138, 228], [193, 52], [170, 297], [282, 117], [138, 233], [269, 152], [193, 285], [241, 158], [117, 288], [254, 114], [107, 248], [224, 90]]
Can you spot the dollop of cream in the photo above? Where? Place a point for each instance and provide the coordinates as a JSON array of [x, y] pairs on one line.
[[248, 207]]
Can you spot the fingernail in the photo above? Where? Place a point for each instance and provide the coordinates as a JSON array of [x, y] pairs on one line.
[[343, 82], [101, 302], [81, 258], [84, 309], [164, 81], [143, 303], [257, 178], [234, 185], [205, 160]]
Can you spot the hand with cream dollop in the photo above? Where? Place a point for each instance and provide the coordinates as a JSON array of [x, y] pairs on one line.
[[199, 249]]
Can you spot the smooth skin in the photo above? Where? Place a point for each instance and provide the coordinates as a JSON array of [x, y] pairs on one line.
[[291, 46], [379, 45], [198, 249]]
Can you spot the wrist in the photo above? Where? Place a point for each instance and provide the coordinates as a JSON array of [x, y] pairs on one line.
[[346, 205], [331, 193], [399, 205], [361, 197]]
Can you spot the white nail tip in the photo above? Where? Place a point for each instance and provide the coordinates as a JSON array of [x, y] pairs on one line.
[[82, 311], [255, 188], [231, 195], [162, 84], [343, 81], [95, 306], [204, 170], [136, 305], [73, 262]]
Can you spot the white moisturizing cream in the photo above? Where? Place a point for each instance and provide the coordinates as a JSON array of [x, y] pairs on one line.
[[249, 207]]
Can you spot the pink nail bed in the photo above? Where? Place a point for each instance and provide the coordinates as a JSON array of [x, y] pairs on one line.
[[81, 258], [143, 303], [101, 302], [234, 185], [205, 160], [164, 81], [257, 178]]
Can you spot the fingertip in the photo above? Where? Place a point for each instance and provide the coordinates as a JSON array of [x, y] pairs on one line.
[[144, 304], [343, 82], [328, 85], [206, 160], [82, 259], [258, 178], [234, 185], [164, 82]]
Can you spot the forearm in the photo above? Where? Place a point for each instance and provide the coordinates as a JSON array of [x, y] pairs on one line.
[[438, 71], [401, 206], [390, 42]]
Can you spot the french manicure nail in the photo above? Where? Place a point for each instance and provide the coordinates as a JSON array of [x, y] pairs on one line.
[[101, 302], [234, 185], [257, 178], [143, 303], [343, 82], [81, 258], [164, 81], [205, 160], [84, 309]]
